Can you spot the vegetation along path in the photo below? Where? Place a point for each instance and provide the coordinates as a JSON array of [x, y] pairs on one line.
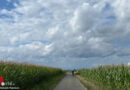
[[70, 83]]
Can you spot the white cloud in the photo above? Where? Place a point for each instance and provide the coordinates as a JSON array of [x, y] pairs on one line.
[[8, 0], [50, 32], [84, 17], [128, 63], [121, 9]]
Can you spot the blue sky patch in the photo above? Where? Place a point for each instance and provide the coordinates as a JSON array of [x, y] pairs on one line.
[[111, 17], [120, 43], [4, 4], [5, 16], [107, 6], [29, 42]]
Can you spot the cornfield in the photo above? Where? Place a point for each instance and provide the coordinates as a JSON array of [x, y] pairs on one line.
[[25, 75], [117, 77]]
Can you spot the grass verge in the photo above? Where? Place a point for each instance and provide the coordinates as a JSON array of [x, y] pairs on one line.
[[91, 85], [50, 84]]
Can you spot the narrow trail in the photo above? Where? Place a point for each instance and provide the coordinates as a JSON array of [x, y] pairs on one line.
[[70, 82]]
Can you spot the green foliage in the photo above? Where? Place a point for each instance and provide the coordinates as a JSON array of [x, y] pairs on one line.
[[26, 76], [50, 84], [117, 77]]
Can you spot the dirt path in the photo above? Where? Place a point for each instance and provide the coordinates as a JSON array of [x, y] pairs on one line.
[[70, 83]]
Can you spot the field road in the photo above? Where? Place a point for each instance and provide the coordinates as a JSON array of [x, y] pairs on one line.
[[70, 82]]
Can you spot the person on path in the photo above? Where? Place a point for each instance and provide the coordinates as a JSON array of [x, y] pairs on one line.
[[73, 72]]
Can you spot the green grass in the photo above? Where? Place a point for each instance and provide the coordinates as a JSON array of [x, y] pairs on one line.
[[114, 77], [92, 85], [25, 75], [50, 84]]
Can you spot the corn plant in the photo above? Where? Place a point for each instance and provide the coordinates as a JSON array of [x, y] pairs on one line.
[[26, 75], [117, 77]]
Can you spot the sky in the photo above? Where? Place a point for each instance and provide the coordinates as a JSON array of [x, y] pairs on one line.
[[68, 34]]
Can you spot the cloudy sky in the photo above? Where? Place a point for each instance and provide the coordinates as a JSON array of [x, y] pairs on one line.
[[65, 33]]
